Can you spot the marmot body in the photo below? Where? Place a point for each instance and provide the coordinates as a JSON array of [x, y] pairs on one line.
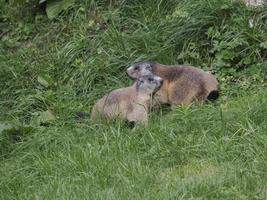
[[182, 84], [130, 103]]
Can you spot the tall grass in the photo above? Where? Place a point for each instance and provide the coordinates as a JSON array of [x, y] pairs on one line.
[[201, 153], [211, 151]]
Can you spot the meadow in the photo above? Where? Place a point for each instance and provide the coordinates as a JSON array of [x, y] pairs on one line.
[[53, 67]]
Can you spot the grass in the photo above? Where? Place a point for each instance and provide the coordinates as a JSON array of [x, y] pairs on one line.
[[50, 69], [201, 153]]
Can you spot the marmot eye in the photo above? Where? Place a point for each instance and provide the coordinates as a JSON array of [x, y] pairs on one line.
[[136, 68], [150, 79]]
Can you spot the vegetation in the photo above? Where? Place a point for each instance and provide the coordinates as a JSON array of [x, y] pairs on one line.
[[53, 67]]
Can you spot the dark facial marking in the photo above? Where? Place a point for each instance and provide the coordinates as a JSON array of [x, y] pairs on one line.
[[136, 67], [148, 67], [150, 79]]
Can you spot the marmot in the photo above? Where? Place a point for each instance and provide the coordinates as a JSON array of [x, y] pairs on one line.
[[130, 103], [182, 84]]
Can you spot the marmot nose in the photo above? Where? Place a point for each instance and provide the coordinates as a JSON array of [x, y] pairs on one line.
[[161, 82]]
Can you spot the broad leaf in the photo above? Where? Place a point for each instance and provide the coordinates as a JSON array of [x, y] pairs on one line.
[[4, 126], [46, 116], [54, 7], [45, 80]]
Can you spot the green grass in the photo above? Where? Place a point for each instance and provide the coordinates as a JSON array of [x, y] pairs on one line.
[[201, 152], [211, 151]]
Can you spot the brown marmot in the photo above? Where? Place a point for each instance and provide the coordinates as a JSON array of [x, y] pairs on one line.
[[130, 103], [182, 84]]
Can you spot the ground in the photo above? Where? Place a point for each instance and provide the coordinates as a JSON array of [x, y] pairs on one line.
[[52, 68]]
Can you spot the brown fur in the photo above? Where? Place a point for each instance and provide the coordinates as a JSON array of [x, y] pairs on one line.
[[130, 103], [184, 84]]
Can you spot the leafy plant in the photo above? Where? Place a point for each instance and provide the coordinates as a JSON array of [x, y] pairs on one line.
[[52, 7]]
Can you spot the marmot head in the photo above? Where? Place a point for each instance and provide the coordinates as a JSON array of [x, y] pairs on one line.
[[148, 84], [140, 69]]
